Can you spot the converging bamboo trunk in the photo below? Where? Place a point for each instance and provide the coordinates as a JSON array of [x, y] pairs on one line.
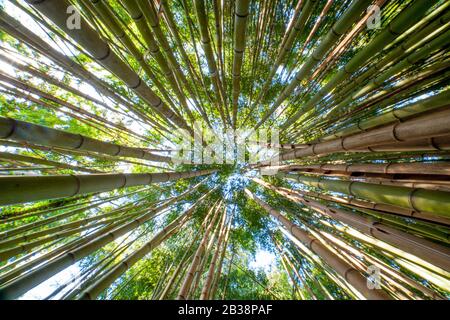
[[319, 128]]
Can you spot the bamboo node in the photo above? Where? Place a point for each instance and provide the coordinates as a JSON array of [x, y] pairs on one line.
[[241, 15], [108, 52], [350, 188], [78, 184], [72, 256], [396, 116], [372, 227], [386, 168], [393, 32], [124, 181], [411, 199], [139, 17], [313, 149], [433, 144], [81, 142], [348, 271], [359, 126], [343, 144], [119, 149], [292, 227], [346, 71], [311, 242], [393, 133], [347, 166], [137, 85], [337, 34], [13, 128]]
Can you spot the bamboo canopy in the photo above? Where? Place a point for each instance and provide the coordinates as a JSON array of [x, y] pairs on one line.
[[279, 149], [88, 38]]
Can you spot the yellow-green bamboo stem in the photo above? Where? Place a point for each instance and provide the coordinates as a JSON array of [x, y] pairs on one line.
[[20, 189]]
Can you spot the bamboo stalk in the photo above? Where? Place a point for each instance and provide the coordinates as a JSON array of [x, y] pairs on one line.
[[19, 31], [186, 256], [187, 283], [424, 249], [32, 225], [220, 264], [200, 270], [102, 53], [192, 72], [107, 279], [240, 22], [412, 181], [375, 207], [212, 266], [415, 39], [37, 73], [350, 274], [405, 19], [22, 284], [412, 109], [76, 153], [383, 266], [296, 25], [113, 24], [413, 58], [431, 125], [20, 189], [421, 200], [11, 252], [209, 55], [34, 160], [21, 131], [152, 18], [63, 227], [60, 102], [430, 168], [394, 289], [337, 30], [428, 251]]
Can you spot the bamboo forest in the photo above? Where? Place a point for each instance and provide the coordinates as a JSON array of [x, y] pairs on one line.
[[224, 149]]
